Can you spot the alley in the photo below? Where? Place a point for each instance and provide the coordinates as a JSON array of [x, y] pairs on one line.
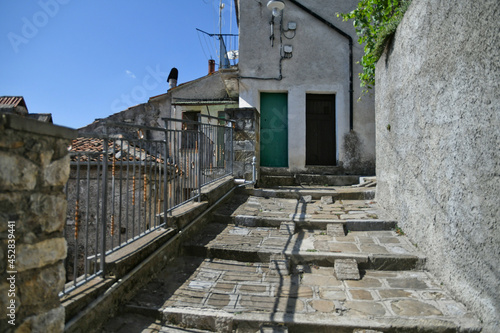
[[269, 263]]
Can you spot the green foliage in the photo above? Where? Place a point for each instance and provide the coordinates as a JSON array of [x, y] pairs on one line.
[[375, 22]]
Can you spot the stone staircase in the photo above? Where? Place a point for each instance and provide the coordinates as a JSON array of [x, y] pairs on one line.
[[317, 176], [296, 260]]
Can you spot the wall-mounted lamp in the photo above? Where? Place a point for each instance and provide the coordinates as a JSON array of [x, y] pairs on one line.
[[276, 6]]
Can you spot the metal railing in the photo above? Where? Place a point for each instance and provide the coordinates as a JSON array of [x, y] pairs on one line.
[[126, 182]]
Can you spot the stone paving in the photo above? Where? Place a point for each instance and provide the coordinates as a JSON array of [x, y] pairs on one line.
[[281, 272], [307, 208], [270, 239], [235, 286]]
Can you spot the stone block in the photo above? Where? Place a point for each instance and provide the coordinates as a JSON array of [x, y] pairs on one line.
[[322, 305], [245, 156], [327, 200], [335, 230], [50, 211], [332, 294], [57, 172], [414, 308], [287, 228], [346, 269], [361, 294], [244, 135], [18, 173], [40, 254], [51, 321], [363, 308], [42, 288], [306, 199], [244, 146]]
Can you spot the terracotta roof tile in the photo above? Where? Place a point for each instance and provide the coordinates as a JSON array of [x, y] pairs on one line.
[[120, 149], [13, 101]]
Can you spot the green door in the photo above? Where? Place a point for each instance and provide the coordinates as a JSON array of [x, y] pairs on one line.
[[273, 130]]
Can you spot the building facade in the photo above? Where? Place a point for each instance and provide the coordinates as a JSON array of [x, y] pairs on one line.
[[299, 70]]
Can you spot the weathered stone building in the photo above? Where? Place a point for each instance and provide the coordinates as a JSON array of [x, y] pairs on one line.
[[207, 95], [438, 139]]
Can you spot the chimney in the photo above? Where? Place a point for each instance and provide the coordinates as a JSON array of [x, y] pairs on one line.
[[211, 66], [172, 78]]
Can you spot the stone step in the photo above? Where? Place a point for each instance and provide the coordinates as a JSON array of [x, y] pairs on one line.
[[232, 296], [304, 222], [383, 250], [318, 170], [307, 213], [316, 192], [272, 181], [134, 322]]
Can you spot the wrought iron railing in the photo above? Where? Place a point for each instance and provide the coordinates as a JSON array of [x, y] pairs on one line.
[[126, 182]]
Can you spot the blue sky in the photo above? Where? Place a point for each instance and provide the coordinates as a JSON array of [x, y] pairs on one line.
[[86, 59]]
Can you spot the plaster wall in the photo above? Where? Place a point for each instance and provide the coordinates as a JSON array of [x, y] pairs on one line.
[[319, 64], [438, 139]]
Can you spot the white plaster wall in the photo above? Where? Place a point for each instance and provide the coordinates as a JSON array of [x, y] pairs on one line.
[[438, 165], [320, 64]]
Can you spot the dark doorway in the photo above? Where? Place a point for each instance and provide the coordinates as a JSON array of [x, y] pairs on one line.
[[320, 130]]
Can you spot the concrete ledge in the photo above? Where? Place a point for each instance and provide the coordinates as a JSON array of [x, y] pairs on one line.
[[79, 298], [123, 260], [214, 191], [181, 216], [19, 123]]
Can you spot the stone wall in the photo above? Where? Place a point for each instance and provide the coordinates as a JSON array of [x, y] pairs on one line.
[[245, 138], [34, 166], [438, 140]]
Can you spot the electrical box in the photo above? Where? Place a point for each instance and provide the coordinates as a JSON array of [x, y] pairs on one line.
[[288, 48], [292, 25]]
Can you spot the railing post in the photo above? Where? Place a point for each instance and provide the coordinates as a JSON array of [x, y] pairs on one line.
[[200, 159], [165, 176], [104, 203], [231, 133]]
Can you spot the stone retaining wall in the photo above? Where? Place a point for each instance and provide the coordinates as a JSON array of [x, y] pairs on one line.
[[34, 167], [438, 139]]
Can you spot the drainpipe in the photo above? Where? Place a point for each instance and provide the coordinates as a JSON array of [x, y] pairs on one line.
[[243, 182], [349, 38]]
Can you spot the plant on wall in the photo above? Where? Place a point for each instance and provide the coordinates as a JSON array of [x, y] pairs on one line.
[[375, 22]]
